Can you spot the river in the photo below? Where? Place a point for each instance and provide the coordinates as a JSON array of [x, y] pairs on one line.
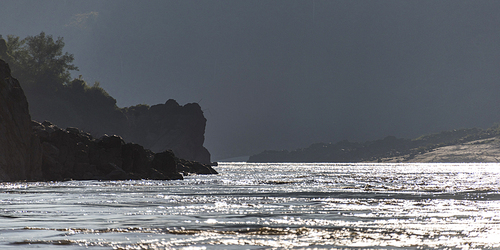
[[263, 206]]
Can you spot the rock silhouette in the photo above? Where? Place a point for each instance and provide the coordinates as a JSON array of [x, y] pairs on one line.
[[30, 150], [20, 150], [161, 127]]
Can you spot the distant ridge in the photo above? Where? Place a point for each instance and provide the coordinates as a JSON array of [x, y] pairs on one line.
[[459, 145], [236, 159]]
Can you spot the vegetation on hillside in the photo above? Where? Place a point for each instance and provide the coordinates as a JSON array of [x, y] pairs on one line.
[[40, 65], [39, 62], [44, 72]]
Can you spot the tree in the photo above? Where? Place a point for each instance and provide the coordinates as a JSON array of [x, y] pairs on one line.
[[39, 62]]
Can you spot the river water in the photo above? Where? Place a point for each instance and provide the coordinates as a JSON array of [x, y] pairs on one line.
[[263, 206]]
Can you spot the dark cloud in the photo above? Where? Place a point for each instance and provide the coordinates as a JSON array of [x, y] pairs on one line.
[[284, 74]]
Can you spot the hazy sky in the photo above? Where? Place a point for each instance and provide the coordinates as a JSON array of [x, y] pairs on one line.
[[285, 74]]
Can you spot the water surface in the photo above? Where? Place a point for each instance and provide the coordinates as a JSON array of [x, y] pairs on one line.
[[262, 206]]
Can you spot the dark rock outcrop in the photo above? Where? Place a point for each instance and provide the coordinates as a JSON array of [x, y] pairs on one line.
[[169, 126], [20, 150], [74, 154], [192, 167], [161, 127], [31, 150]]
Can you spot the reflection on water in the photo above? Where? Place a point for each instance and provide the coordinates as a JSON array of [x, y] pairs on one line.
[[255, 206]]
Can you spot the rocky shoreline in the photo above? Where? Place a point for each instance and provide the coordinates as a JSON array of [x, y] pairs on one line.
[[74, 154], [33, 151]]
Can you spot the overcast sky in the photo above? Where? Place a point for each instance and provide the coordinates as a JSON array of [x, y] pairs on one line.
[[285, 74]]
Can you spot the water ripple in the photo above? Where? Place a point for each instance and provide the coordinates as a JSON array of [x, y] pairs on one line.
[[254, 206]]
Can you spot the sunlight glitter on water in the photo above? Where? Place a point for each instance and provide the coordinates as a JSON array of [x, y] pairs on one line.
[[263, 206]]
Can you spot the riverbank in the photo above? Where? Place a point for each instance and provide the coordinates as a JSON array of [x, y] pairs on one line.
[[484, 150]]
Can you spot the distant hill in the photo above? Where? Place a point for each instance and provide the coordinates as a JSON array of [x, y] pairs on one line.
[[459, 145], [484, 150]]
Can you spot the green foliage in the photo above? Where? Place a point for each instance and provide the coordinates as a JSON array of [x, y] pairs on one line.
[[13, 48], [42, 67], [39, 62], [43, 70]]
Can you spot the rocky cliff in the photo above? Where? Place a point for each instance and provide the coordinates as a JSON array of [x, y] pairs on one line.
[[161, 127], [31, 150], [169, 126], [20, 151]]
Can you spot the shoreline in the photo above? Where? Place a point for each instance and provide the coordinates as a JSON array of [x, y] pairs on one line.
[[478, 151]]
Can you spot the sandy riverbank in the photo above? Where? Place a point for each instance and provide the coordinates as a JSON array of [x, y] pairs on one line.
[[485, 150]]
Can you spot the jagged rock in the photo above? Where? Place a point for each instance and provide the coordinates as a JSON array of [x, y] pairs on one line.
[[20, 150]]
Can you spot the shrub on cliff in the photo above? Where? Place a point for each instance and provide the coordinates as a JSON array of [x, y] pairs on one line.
[[39, 62], [44, 73]]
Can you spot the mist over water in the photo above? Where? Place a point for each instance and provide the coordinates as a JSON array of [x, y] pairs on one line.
[[255, 206]]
